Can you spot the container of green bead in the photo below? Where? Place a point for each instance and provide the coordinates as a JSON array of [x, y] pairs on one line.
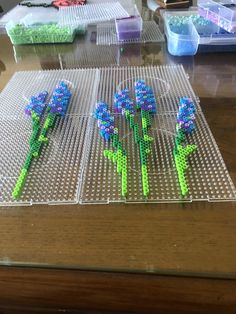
[[21, 34]]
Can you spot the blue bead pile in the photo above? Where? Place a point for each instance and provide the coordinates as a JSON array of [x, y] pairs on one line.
[[60, 99], [186, 115], [145, 97], [37, 104], [105, 120], [122, 102], [179, 23]]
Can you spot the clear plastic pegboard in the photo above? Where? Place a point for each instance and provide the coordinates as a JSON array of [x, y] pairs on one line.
[[87, 56], [128, 5], [106, 34], [91, 13], [55, 176], [207, 176], [72, 167]]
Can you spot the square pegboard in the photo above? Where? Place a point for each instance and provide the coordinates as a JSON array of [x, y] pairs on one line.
[[55, 176]]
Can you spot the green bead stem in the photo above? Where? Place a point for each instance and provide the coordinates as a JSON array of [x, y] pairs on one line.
[[120, 159], [20, 183], [37, 140], [180, 156], [145, 180]]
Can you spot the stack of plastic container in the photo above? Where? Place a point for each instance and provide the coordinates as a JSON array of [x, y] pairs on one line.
[[223, 14]]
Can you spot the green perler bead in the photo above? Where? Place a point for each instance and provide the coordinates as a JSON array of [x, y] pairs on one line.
[[34, 135], [120, 158], [47, 123], [131, 121], [105, 152], [19, 184], [35, 149], [148, 138], [136, 134], [124, 180], [43, 139], [145, 180], [50, 33], [127, 114], [28, 161], [115, 140], [35, 117], [144, 123], [180, 155]]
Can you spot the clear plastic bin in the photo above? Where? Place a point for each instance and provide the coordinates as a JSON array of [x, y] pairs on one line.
[[19, 12], [129, 28], [21, 34], [188, 33], [223, 14], [40, 18], [182, 38]]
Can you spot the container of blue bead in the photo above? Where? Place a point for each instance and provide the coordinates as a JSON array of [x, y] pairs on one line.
[[182, 36], [21, 34], [188, 33]]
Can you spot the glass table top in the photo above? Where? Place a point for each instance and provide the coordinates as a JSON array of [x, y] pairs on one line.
[[191, 239]]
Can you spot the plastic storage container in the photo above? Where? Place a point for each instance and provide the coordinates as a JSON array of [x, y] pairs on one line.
[[188, 33], [182, 36], [19, 12], [129, 28], [40, 34], [38, 28], [223, 14]]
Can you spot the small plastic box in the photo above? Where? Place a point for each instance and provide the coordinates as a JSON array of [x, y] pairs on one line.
[[188, 33], [129, 28], [39, 29], [223, 14]]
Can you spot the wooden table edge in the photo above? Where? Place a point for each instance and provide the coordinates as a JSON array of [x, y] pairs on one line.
[[36, 290]]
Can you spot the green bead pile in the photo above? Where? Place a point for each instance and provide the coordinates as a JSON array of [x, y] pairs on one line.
[[50, 33]]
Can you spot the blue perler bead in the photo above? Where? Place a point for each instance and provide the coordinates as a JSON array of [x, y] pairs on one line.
[[105, 120], [145, 96], [60, 99], [185, 116], [37, 104]]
